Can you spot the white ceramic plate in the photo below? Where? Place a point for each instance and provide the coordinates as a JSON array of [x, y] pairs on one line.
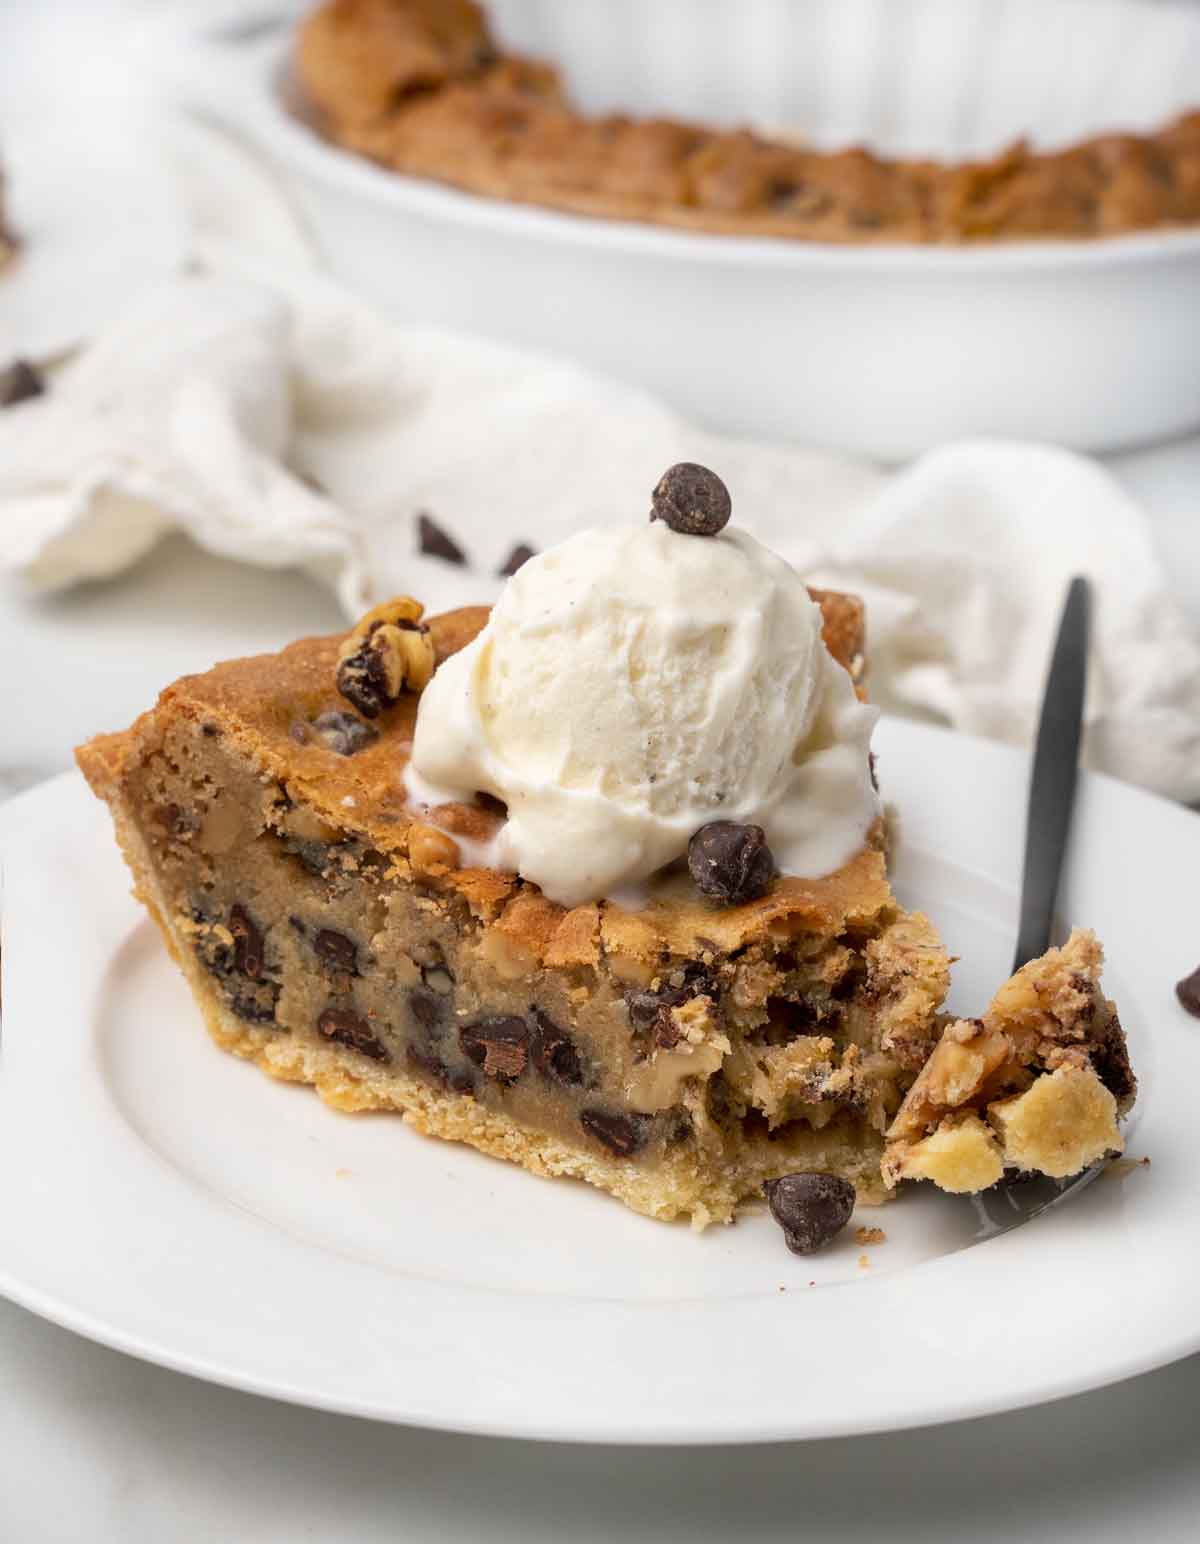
[[160, 1196]]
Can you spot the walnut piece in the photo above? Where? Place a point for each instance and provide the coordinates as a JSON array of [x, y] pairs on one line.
[[1037, 1084], [390, 650]]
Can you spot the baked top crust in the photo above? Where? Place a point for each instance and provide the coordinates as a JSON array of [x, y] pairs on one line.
[[267, 703], [421, 87]]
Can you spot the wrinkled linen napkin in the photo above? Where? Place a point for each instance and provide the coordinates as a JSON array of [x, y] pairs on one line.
[[292, 425]]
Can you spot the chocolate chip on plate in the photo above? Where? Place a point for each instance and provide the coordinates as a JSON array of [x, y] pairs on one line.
[[517, 558], [436, 543], [811, 1208], [1188, 992], [692, 500], [621, 1134], [499, 1044], [20, 382], [730, 862]]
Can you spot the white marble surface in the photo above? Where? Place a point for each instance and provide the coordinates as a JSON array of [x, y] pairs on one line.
[[98, 1447]]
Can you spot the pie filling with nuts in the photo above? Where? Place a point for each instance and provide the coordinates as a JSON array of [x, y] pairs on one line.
[[736, 1028], [421, 86]]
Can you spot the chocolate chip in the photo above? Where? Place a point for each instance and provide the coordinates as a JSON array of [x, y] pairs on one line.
[[317, 857], [247, 943], [20, 382], [621, 1134], [436, 543], [730, 862], [336, 951], [1188, 992], [811, 1209], [1113, 1068], [692, 500], [555, 1054], [351, 1029], [339, 732], [428, 1009], [253, 1009], [209, 731], [362, 680], [871, 759], [517, 558], [500, 1045], [644, 1009]]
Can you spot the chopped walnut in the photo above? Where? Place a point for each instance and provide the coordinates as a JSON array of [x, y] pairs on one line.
[[388, 651], [1037, 1084]]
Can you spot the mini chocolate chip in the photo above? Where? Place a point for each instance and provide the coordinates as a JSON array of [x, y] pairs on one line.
[[336, 951], [460, 1079], [871, 759], [317, 857], [342, 732], [351, 1029], [1188, 992], [517, 558], [253, 1010], [555, 1054], [730, 862], [811, 1208], [20, 382], [692, 500], [209, 731], [644, 1009], [362, 680], [247, 943], [298, 925], [500, 1045], [489, 802], [428, 1009], [436, 543], [621, 1134]]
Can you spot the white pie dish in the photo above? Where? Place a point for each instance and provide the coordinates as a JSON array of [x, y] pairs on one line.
[[166, 1199], [884, 351]]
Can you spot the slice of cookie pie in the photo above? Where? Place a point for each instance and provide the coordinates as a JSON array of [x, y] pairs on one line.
[[596, 883]]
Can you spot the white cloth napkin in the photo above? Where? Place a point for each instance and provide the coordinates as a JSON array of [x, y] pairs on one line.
[[292, 425]]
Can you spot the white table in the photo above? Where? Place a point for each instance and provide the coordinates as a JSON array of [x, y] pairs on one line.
[[100, 1449]]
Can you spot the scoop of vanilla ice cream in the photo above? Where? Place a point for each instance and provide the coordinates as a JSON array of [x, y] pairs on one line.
[[633, 684]]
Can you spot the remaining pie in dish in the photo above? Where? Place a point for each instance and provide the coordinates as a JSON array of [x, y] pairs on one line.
[[420, 86], [677, 1046]]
